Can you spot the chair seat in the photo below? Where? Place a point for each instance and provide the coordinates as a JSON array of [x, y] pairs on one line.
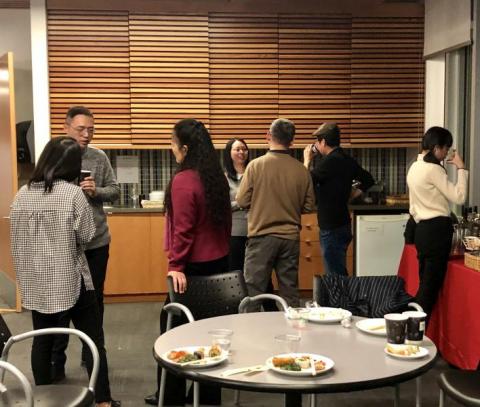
[[62, 395], [462, 386]]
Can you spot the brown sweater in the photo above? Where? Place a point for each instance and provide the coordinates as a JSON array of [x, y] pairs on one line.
[[277, 189]]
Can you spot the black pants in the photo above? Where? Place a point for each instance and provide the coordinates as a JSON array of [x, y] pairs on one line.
[[85, 317], [236, 259], [97, 263], [175, 387], [433, 240]]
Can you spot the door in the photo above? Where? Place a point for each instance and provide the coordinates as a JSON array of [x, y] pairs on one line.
[[9, 298]]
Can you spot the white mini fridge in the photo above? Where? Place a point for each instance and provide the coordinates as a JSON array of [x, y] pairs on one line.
[[379, 244]]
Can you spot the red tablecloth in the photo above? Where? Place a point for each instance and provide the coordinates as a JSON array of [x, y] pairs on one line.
[[455, 323]]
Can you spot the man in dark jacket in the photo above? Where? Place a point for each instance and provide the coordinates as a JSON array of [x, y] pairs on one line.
[[333, 174]]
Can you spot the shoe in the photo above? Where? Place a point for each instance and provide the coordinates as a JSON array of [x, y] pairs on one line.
[[115, 403], [83, 363], [152, 399], [58, 373]]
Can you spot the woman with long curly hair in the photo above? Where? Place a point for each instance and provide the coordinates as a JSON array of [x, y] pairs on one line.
[[198, 228]]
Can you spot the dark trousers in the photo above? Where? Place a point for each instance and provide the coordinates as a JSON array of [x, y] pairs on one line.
[[175, 387], [97, 263], [433, 240], [334, 244], [236, 259], [267, 253], [85, 317]]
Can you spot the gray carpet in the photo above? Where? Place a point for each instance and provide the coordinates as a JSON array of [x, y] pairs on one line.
[[131, 330]]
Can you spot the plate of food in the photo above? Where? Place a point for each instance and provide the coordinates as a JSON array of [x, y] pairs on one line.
[[328, 315], [372, 326], [196, 356], [300, 364], [406, 351]]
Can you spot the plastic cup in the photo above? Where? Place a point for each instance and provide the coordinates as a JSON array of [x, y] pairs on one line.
[[221, 337], [287, 343]]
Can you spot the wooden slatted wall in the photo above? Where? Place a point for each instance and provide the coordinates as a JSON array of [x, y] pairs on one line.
[[387, 81], [237, 72], [243, 76], [169, 69], [89, 65], [314, 69]]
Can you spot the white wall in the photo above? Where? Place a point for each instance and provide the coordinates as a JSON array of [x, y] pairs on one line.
[[15, 37]]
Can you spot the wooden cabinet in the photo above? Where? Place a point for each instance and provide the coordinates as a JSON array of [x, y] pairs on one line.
[[311, 259], [138, 262]]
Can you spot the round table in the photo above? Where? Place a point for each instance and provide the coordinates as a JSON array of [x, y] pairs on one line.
[[360, 360]]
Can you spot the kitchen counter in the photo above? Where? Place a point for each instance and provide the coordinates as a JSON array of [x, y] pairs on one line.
[[127, 209], [375, 209]]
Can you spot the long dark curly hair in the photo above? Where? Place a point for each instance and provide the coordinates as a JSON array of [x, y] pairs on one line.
[[201, 157]]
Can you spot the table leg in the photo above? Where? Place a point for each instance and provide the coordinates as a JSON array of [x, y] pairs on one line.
[[313, 400], [293, 399], [418, 393], [196, 394], [236, 397], [396, 402], [441, 402], [161, 390]]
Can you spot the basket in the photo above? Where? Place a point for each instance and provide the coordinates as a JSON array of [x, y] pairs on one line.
[[471, 242], [472, 260]]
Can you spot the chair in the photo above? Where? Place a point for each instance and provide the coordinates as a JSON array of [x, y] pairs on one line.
[[27, 388], [369, 296], [461, 385], [206, 297], [54, 395], [5, 333]]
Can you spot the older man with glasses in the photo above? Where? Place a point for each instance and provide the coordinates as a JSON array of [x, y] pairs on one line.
[[100, 186]]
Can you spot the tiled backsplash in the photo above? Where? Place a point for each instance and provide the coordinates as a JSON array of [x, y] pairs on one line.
[[157, 166]]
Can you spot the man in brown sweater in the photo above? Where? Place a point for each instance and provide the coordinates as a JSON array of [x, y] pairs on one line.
[[276, 189]]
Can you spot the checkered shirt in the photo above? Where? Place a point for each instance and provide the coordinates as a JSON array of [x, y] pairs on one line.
[[48, 232]]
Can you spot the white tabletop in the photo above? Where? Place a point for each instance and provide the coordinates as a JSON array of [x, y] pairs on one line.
[[360, 360]]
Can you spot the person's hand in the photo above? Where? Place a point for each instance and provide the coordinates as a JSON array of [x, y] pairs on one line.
[[307, 155], [179, 281], [88, 186], [456, 160]]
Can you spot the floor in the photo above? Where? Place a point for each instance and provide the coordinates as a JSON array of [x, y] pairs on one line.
[[131, 330]]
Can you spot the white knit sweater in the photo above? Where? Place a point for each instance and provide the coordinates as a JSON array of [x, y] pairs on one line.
[[430, 190]]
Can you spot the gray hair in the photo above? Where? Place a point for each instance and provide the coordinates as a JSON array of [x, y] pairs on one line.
[[283, 131]]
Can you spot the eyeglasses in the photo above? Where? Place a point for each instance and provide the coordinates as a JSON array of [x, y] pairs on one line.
[[81, 130]]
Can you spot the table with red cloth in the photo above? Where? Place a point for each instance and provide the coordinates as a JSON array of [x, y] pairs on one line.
[[455, 322]]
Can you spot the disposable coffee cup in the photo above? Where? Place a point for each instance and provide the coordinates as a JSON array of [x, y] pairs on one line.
[[415, 327], [396, 328], [84, 174]]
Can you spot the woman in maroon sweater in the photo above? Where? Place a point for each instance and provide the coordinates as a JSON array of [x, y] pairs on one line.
[[197, 202]]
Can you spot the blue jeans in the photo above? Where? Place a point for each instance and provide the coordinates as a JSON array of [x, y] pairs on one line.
[[334, 244]]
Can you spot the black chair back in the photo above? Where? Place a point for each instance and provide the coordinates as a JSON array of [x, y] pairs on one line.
[[211, 296]]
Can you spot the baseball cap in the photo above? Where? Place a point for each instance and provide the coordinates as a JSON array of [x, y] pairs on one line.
[[328, 131]]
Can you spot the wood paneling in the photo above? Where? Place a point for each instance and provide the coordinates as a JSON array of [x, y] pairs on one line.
[[169, 74], [387, 84], [243, 76], [89, 65], [314, 72]]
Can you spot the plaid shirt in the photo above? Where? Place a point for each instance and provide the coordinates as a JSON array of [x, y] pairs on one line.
[[48, 232]]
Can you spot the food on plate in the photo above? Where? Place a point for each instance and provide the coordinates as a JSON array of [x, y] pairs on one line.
[[215, 350], [319, 365], [377, 328], [282, 361], [182, 356], [303, 362], [403, 350]]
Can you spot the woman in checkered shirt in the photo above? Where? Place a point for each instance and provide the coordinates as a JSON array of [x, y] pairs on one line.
[[51, 221]]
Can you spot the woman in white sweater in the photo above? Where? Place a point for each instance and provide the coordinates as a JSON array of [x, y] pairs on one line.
[[430, 195]]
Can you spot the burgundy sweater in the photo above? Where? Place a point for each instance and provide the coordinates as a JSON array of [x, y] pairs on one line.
[[190, 236]]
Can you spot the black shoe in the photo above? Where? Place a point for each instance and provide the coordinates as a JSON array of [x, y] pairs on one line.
[[115, 403], [152, 399], [58, 373]]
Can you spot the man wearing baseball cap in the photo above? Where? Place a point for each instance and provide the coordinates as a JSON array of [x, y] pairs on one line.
[[333, 174]]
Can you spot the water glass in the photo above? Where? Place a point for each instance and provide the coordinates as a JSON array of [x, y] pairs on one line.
[[221, 337], [287, 343]]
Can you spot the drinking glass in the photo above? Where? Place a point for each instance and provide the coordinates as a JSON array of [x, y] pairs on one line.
[[287, 343], [221, 337]]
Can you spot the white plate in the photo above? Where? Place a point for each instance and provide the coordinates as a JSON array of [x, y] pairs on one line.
[[372, 326], [304, 372], [327, 314], [201, 363], [420, 354]]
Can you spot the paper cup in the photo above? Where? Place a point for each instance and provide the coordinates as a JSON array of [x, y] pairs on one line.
[[415, 327], [396, 328]]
